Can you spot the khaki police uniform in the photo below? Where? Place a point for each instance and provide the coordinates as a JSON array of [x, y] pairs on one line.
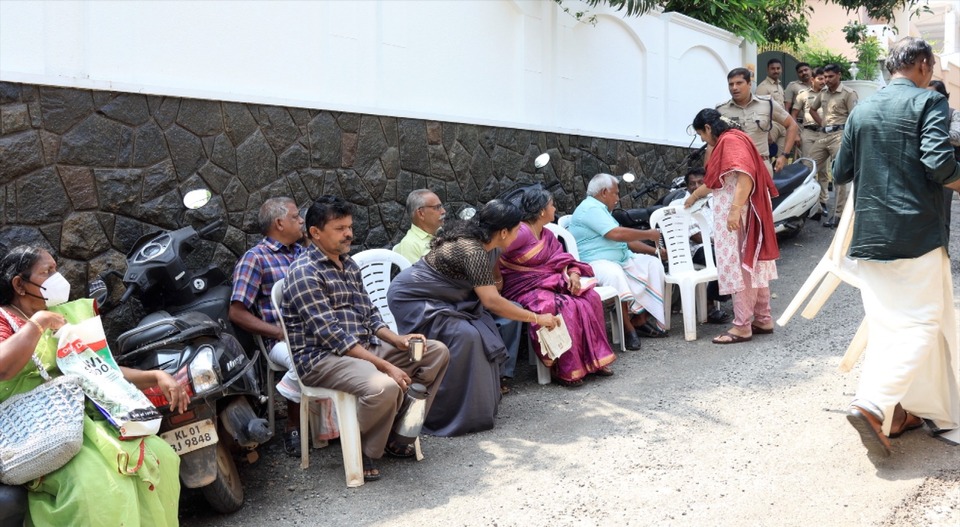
[[834, 107], [809, 135], [755, 120], [790, 94], [772, 89]]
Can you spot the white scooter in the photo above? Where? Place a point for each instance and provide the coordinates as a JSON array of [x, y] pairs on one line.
[[799, 196]]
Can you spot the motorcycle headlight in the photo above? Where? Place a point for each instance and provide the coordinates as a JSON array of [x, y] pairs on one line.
[[202, 371]]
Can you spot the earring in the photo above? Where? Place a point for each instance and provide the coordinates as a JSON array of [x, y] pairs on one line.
[[503, 236]]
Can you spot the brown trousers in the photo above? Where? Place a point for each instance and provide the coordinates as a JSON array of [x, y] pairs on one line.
[[379, 396]]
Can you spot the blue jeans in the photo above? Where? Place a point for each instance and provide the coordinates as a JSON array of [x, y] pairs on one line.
[[510, 333]]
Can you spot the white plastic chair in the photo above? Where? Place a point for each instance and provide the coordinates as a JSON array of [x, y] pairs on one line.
[[376, 266], [606, 293], [564, 221], [833, 268], [674, 224], [376, 270], [345, 403]]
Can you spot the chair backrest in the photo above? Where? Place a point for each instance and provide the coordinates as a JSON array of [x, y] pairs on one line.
[[567, 239], [376, 267], [674, 224], [564, 221]]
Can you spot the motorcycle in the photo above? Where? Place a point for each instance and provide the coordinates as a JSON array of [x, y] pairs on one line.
[[189, 336], [798, 199], [639, 217]]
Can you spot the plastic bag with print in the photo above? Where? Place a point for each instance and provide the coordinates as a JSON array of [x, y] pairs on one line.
[[83, 352]]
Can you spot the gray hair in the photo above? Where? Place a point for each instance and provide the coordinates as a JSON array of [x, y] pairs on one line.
[[906, 52], [417, 200], [272, 210], [601, 182]]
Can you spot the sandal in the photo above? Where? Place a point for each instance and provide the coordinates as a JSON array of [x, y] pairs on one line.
[[370, 471], [568, 384], [394, 449], [651, 332], [730, 338], [604, 372], [909, 422], [504, 387], [757, 330]]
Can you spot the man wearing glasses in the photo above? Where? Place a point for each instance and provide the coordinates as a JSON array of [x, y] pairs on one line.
[[426, 216]]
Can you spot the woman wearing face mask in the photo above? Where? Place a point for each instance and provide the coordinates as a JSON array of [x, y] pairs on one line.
[[95, 487]]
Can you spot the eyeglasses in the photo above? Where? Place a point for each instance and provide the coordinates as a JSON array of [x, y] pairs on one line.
[[437, 207]]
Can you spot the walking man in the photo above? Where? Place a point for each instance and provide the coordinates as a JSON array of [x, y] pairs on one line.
[[896, 152]]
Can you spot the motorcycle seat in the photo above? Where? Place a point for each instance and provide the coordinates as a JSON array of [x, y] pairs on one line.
[[160, 325], [790, 178]]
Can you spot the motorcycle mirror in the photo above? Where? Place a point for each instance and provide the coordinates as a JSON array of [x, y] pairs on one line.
[[97, 290], [467, 213], [542, 160], [195, 199], [629, 177], [690, 130]]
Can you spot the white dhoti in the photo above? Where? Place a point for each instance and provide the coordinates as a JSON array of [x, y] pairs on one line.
[[323, 417], [913, 345], [639, 282]]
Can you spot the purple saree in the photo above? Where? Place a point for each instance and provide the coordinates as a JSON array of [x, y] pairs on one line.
[[534, 275]]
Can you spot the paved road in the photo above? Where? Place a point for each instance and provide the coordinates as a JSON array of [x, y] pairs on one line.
[[684, 434]]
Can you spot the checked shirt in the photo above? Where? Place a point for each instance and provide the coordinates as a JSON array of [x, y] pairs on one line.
[[257, 271], [326, 309]]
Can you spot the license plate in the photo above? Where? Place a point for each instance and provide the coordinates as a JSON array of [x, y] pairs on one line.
[[191, 437]]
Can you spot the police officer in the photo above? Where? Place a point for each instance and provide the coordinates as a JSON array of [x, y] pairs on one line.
[[830, 109], [810, 133], [803, 82], [770, 87], [756, 116]]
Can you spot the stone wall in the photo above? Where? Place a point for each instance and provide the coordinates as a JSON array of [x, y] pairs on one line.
[[84, 173]]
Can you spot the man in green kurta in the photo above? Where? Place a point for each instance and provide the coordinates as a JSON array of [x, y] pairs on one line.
[[896, 152]]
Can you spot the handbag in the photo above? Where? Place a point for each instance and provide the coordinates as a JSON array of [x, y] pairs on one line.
[[40, 430]]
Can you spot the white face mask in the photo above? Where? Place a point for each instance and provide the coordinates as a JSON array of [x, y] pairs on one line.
[[55, 290]]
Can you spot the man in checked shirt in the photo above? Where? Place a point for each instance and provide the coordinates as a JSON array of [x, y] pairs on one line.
[[339, 340]]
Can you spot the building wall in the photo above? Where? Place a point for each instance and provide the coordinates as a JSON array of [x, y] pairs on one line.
[[85, 173], [515, 63]]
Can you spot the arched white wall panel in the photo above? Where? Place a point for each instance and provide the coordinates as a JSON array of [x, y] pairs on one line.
[[517, 63]]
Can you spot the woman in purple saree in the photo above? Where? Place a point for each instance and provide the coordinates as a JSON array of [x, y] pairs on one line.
[[542, 277]]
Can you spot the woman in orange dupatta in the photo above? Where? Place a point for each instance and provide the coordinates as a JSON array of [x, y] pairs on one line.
[[745, 241]]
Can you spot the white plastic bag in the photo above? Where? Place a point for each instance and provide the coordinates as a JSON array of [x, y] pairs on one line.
[[83, 352]]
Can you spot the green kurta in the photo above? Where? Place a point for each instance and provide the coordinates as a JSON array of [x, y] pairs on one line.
[[104, 484], [896, 151]]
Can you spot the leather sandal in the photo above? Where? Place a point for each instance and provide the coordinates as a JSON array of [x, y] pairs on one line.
[[905, 422], [868, 426], [757, 330], [730, 338], [370, 471]]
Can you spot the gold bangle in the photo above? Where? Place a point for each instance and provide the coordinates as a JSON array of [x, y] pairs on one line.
[[35, 323], [534, 315]]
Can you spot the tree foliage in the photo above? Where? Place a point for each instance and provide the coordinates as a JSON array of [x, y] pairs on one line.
[[761, 21]]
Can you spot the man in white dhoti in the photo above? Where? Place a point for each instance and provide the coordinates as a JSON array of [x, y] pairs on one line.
[[621, 259], [896, 152]]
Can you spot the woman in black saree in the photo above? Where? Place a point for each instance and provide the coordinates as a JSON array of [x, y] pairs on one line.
[[445, 296]]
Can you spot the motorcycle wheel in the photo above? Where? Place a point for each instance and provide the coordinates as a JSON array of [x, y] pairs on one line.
[[225, 494]]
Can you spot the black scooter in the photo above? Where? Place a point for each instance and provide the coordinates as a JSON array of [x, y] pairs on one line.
[[188, 335]]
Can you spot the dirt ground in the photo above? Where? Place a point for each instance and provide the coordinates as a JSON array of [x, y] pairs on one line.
[[685, 433]]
